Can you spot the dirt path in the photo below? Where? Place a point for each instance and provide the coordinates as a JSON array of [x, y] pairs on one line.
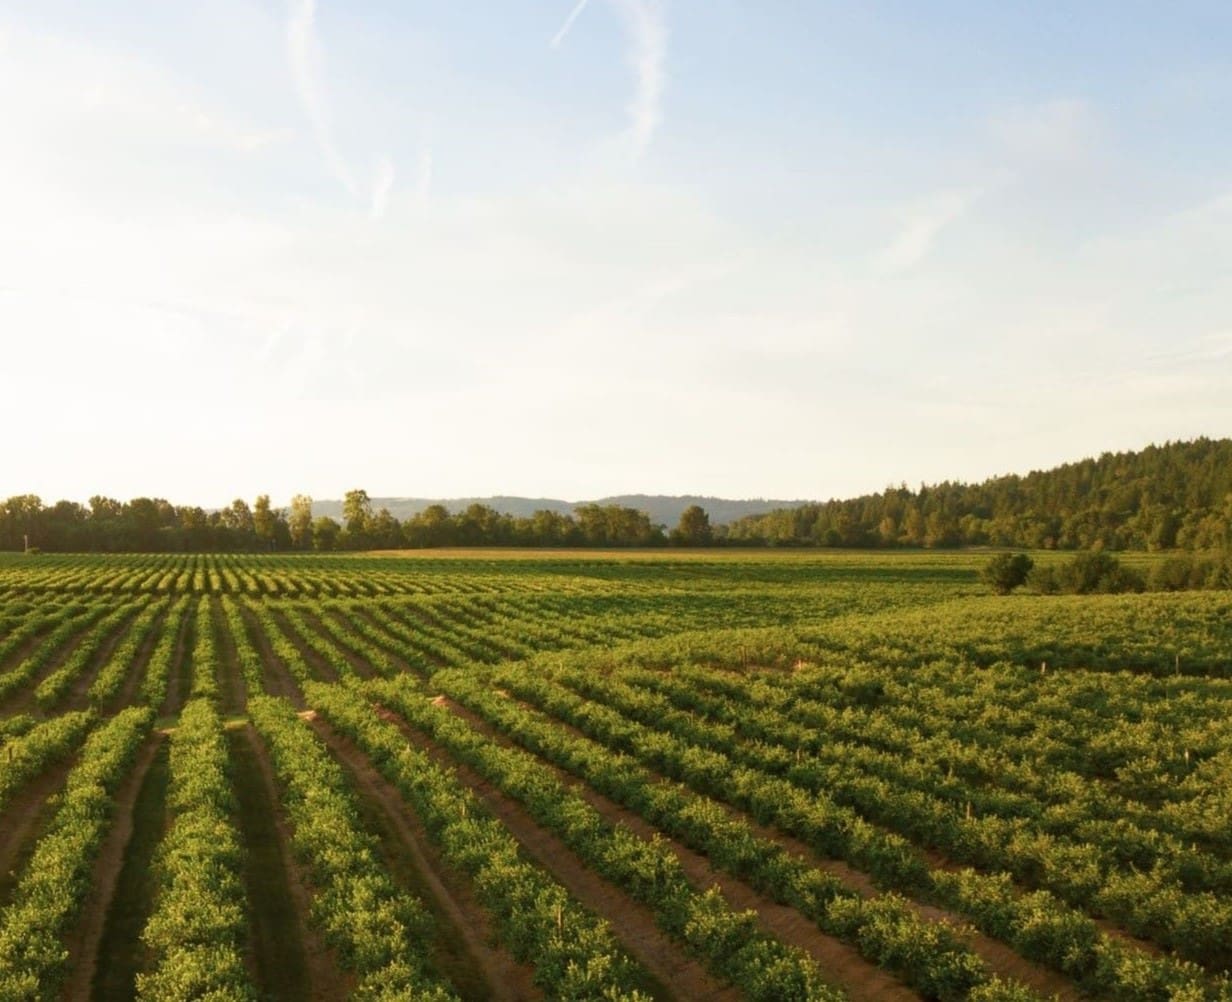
[[25, 817], [278, 680], [431, 662], [289, 959], [178, 682], [121, 954], [633, 924], [1001, 958], [464, 952], [321, 668], [77, 697], [862, 980], [83, 941], [22, 700], [136, 674], [359, 664], [232, 687], [25, 649]]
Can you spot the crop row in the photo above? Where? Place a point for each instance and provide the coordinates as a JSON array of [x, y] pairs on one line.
[[381, 933], [29, 754], [58, 876], [198, 929], [252, 575], [52, 688], [249, 662], [1141, 737], [928, 955], [124, 656], [205, 664], [1039, 926], [1001, 781], [573, 953], [994, 775], [730, 943], [75, 621], [162, 659], [903, 795]]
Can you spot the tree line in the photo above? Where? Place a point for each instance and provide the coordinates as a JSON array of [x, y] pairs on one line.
[[1174, 496], [149, 525]]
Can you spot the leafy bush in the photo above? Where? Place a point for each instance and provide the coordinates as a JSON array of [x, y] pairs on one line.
[[1007, 571], [1088, 573]]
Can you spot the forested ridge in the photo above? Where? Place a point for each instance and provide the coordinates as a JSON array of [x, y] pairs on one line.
[[1175, 495]]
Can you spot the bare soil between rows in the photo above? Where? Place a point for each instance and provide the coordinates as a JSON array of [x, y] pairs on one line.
[[632, 923], [465, 950]]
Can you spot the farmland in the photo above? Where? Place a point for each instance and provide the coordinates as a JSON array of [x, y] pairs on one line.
[[484, 774]]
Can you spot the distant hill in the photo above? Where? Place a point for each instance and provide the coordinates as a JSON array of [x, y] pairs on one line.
[[666, 509], [1172, 496], [662, 509], [1178, 494]]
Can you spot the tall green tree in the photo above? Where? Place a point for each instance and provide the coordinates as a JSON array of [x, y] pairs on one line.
[[300, 521], [357, 515], [264, 521], [325, 533], [694, 528]]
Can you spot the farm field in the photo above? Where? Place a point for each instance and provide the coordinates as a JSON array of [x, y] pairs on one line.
[[772, 775]]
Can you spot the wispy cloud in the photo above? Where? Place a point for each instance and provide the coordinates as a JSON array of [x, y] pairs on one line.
[[647, 57], [920, 228], [382, 184], [564, 28], [304, 54], [646, 28]]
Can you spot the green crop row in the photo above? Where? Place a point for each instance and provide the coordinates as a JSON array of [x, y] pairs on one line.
[[730, 943], [573, 953], [1039, 926], [381, 933], [198, 930], [76, 620], [49, 691], [27, 755], [1197, 925], [158, 671], [250, 664], [930, 956], [111, 676], [57, 878]]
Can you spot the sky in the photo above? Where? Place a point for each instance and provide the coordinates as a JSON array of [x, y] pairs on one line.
[[575, 249]]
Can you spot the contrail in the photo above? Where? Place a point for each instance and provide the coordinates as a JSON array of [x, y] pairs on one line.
[[647, 30], [304, 54], [564, 28]]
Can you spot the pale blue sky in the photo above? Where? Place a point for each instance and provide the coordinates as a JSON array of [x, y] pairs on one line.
[[786, 249]]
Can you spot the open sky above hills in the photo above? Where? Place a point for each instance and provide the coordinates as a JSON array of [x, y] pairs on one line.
[[579, 249]]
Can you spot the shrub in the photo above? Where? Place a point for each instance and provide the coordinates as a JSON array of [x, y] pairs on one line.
[[1088, 573], [1007, 571]]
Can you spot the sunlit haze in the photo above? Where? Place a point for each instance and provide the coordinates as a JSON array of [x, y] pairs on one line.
[[779, 249]]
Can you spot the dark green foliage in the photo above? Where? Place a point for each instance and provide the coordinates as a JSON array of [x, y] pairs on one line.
[[694, 528], [1188, 571], [1178, 495], [1091, 573], [1007, 571], [1175, 495]]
